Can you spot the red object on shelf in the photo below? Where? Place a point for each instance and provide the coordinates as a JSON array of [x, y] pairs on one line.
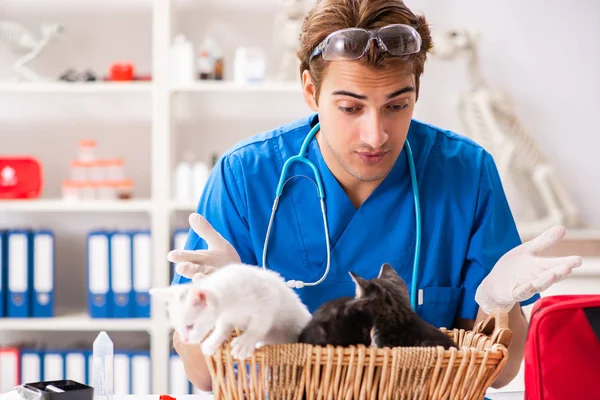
[[121, 72], [20, 177], [166, 397]]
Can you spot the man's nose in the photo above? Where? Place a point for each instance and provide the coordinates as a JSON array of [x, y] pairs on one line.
[[373, 133]]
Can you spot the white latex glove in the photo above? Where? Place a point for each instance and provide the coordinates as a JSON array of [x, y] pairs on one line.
[[196, 264], [521, 273]]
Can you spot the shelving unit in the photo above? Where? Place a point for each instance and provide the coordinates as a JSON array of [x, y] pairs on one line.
[[160, 207], [75, 206], [75, 322], [76, 87]]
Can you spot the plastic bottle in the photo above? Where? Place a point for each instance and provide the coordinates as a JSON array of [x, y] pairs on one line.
[[182, 61], [183, 179], [200, 173], [103, 373]]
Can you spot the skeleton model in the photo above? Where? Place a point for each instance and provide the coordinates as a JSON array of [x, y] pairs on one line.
[[488, 118], [21, 39], [287, 32]]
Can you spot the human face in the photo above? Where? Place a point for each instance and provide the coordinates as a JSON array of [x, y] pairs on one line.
[[365, 115]]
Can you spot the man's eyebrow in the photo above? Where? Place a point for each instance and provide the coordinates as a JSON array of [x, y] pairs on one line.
[[397, 93], [401, 91], [346, 93]]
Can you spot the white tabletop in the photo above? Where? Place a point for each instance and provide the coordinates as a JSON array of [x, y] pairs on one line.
[[209, 396]]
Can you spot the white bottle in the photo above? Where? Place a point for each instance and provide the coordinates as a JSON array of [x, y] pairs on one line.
[[103, 373], [183, 179], [200, 175], [182, 61]]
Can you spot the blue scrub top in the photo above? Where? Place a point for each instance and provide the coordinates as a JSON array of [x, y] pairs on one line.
[[466, 221]]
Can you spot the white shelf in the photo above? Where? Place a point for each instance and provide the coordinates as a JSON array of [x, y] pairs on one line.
[[183, 206], [211, 86], [573, 234], [75, 322], [75, 206], [76, 87]]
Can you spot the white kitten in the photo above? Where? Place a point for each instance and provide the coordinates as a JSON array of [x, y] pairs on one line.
[[256, 301]]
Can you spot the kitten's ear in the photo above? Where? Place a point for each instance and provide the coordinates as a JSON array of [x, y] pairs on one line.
[[201, 297], [359, 305], [361, 284], [163, 293], [387, 271]]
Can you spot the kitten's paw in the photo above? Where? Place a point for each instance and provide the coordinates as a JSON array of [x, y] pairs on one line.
[[242, 347], [209, 348]]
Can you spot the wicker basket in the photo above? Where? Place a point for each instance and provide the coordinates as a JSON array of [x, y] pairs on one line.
[[300, 371]]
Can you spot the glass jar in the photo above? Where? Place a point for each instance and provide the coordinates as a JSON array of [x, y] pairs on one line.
[[106, 191], [124, 189], [114, 169], [86, 150], [71, 190]]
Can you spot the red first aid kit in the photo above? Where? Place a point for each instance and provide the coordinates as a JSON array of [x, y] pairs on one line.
[[562, 352], [20, 178]]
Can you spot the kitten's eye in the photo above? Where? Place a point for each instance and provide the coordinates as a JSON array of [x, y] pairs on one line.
[[189, 327]]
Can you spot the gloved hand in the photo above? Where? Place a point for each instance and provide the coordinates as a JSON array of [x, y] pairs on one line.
[[521, 273], [196, 264]]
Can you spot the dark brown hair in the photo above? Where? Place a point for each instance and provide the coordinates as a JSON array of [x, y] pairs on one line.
[[328, 16]]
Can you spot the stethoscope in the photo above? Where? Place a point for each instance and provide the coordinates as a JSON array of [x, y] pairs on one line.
[[300, 157]]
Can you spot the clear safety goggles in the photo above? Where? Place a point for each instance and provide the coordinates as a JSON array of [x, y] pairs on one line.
[[353, 43]]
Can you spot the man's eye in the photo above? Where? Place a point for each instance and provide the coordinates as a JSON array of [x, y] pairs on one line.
[[349, 110], [398, 107]]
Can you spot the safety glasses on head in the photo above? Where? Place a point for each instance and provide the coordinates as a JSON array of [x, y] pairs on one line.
[[353, 43]]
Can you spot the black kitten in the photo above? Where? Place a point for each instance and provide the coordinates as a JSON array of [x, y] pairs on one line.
[[394, 321], [340, 322]]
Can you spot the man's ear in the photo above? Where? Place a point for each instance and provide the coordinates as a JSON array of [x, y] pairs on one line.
[[387, 271], [309, 90]]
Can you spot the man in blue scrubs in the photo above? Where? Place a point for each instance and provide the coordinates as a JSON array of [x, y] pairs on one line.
[[363, 93]]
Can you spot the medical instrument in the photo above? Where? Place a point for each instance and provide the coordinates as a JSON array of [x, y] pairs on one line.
[[301, 157], [103, 364], [488, 117], [353, 43]]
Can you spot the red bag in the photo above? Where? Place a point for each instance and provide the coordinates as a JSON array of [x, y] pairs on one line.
[[562, 352], [20, 178]]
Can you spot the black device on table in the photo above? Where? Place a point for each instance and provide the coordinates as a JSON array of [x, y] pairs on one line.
[[58, 390]]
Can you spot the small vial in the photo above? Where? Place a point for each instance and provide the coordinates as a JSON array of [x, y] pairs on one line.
[[105, 190], [124, 189], [103, 364], [114, 169], [86, 150], [71, 190], [80, 170], [88, 190]]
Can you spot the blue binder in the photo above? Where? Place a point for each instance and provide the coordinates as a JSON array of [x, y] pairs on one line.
[[76, 365], [179, 238], [19, 273], [54, 365], [32, 365], [121, 274], [122, 371], [141, 373], [98, 270], [3, 270], [43, 274], [142, 273]]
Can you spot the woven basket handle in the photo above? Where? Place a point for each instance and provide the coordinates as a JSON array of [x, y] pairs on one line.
[[496, 326]]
